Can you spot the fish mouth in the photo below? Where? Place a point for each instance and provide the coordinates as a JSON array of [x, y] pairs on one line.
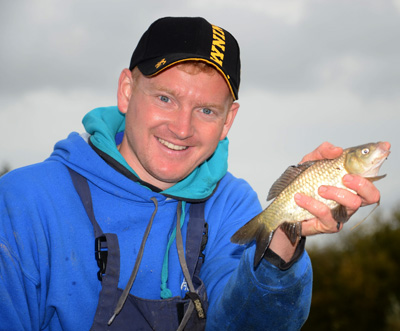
[[171, 145], [382, 153]]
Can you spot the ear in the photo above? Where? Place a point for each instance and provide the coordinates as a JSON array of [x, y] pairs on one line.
[[229, 119], [124, 90]]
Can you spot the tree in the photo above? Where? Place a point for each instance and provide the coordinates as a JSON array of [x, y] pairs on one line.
[[356, 280]]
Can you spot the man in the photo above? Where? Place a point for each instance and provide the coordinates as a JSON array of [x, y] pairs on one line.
[[140, 184]]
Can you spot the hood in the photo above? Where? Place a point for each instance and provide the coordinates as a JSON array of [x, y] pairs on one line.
[[103, 124]]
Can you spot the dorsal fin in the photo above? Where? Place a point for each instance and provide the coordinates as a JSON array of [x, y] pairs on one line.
[[286, 178]]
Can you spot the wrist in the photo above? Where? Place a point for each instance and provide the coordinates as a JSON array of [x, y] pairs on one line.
[[276, 260], [282, 246]]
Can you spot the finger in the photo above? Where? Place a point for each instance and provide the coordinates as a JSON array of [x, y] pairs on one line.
[[363, 187], [324, 222], [324, 151], [314, 226], [342, 196]]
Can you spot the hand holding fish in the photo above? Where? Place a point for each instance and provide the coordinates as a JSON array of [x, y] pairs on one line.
[[364, 193], [316, 196], [324, 151]]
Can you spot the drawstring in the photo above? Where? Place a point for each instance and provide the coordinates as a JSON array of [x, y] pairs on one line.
[[135, 270], [166, 292], [195, 301]]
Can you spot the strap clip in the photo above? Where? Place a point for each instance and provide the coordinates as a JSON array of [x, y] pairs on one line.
[[101, 253]]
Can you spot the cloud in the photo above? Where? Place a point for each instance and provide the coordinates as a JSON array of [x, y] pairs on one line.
[[289, 11], [312, 71], [32, 124], [286, 45], [285, 57], [69, 44]]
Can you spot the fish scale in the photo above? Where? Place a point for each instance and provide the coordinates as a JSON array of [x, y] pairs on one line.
[[324, 172], [364, 160]]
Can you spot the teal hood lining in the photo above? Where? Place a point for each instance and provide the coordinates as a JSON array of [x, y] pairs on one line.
[[104, 123]]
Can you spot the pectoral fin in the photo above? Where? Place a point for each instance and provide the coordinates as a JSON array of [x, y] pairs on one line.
[[374, 179], [339, 213], [292, 230]]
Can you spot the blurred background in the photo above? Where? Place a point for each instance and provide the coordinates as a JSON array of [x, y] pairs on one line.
[[312, 71]]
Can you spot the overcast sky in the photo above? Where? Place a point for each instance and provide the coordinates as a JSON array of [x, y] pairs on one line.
[[312, 71]]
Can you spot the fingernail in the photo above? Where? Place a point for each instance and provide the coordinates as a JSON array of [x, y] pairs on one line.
[[348, 178], [297, 197], [323, 189]]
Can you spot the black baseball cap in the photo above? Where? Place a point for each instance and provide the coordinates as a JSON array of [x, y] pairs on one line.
[[171, 40]]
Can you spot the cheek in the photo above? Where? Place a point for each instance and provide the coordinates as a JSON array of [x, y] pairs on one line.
[[208, 131], [130, 121], [135, 119], [135, 127], [211, 137]]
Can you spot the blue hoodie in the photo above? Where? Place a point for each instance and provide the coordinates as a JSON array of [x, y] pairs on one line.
[[47, 267]]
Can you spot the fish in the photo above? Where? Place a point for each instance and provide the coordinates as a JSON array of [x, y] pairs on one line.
[[363, 160]]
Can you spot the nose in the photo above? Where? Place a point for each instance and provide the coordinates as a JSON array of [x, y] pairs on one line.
[[181, 125]]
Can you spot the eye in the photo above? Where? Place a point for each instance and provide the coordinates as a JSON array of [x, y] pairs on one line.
[[207, 111], [365, 151], [163, 98]]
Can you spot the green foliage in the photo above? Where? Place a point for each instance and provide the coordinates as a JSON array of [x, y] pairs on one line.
[[356, 280]]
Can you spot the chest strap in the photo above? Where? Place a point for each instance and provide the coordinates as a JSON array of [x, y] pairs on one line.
[[196, 238], [100, 246]]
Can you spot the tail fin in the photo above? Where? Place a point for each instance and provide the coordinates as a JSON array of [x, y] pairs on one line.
[[254, 230]]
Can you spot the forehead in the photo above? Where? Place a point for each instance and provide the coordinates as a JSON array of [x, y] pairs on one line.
[[190, 67], [196, 78]]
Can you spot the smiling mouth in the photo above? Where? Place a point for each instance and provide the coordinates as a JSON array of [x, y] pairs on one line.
[[172, 146]]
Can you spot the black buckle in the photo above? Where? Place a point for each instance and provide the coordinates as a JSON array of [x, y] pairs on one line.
[[101, 253]]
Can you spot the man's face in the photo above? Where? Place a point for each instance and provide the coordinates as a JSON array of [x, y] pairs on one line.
[[174, 122]]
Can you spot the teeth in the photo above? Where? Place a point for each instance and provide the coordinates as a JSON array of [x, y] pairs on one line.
[[171, 146]]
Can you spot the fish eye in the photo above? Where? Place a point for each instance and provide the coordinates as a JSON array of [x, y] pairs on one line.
[[365, 151]]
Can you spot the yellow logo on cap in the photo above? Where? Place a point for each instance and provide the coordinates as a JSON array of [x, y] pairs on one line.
[[218, 45], [162, 62]]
